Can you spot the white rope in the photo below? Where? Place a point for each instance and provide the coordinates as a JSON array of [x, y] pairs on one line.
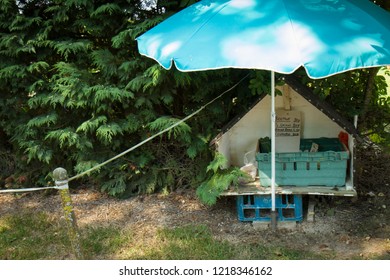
[[31, 189]]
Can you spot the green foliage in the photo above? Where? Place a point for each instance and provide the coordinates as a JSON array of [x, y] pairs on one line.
[[352, 94], [181, 131], [218, 163], [75, 92], [219, 180], [260, 82]]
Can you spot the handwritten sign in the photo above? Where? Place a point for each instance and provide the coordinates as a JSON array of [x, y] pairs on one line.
[[288, 131], [288, 125]]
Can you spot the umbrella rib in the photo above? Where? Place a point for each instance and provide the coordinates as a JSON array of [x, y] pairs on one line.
[[293, 32], [204, 23]]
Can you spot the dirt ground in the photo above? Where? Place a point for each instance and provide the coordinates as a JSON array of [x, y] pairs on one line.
[[343, 228]]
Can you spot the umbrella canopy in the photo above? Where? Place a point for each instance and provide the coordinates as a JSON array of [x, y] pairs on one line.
[[324, 36]]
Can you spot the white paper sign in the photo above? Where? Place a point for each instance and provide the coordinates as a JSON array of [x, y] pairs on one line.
[[288, 131]]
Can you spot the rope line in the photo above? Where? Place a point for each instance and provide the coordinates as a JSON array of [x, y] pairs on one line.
[[132, 148], [30, 189]]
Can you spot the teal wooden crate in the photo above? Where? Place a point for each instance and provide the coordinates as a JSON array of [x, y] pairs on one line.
[[327, 167]]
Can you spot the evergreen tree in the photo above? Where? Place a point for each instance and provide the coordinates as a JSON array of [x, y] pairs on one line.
[[75, 92]]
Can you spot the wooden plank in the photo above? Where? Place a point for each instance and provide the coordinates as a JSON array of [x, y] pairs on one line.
[[254, 188], [286, 97], [310, 210]]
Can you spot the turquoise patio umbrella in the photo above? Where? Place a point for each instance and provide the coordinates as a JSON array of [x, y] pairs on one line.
[[325, 37]]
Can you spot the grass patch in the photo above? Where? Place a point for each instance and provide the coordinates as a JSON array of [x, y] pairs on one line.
[[189, 243], [104, 242], [39, 236], [196, 242], [30, 237]]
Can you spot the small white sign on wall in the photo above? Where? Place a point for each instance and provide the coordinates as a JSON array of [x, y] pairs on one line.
[[288, 131]]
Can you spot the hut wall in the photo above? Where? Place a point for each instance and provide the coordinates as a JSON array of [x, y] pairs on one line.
[[243, 136]]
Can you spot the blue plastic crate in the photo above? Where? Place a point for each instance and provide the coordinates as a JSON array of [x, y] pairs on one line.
[[327, 167], [258, 207]]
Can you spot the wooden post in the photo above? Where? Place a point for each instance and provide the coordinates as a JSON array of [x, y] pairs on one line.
[[286, 98], [61, 180]]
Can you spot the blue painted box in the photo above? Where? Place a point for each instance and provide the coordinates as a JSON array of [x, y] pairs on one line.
[[258, 207], [326, 167]]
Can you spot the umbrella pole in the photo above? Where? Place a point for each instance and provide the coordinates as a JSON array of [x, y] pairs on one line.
[[273, 125]]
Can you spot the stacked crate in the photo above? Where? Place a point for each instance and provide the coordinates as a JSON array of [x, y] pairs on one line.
[[258, 207], [325, 167]]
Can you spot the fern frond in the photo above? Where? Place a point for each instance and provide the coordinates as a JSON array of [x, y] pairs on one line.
[[43, 120], [219, 162], [167, 98], [59, 12], [15, 71], [154, 72], [129, 66], [105, 61], [209, 191], [106, 132], [77, 3], [21, 23], [8, 41], [66, 48], [137, 83], [150, 79], [146, 25], [37, 85], [181, 131], [106, 9], [83, 166], [126, 70], [65, 137], [114, 186], [121, 39], [92, 124], [37, 66], [130, 124], [197, 145], [111, 94], [6, 5], [35, 150], [182, 79]]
